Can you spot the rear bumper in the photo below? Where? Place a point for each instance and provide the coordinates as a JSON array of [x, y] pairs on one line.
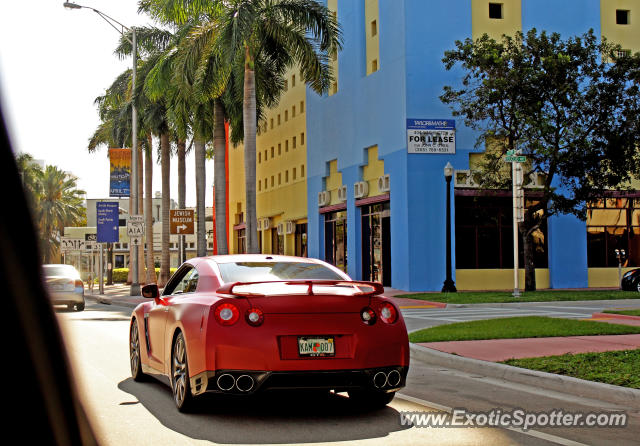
[[66, 297], [247, 382]]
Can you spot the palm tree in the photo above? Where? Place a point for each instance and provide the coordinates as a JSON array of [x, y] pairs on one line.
[[60, 204], [30, 173], [274, 34]]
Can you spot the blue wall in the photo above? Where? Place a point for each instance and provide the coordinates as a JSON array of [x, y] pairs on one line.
[[372, 110]]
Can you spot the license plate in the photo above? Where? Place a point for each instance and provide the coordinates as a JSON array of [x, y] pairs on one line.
[[316, 346]]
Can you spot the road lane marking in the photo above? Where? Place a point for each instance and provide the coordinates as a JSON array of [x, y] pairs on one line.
[[530, 432]]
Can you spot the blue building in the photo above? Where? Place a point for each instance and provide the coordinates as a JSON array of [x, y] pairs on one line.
[[378, 211]]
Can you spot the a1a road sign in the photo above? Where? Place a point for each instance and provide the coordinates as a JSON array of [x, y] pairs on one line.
[[135, 226], [181, 221]]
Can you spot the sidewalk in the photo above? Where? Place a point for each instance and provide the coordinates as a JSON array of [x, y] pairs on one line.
[[502, 349]]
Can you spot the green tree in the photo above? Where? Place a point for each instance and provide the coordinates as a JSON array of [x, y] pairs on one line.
[[60, 204], [570, 106]]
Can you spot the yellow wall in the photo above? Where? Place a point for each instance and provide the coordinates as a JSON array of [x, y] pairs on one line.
[[333, 182], [509, 24], [605, 277], [281, 148], [373, 170], [372, 34], [628, 36], [496, 279], [332, 5]]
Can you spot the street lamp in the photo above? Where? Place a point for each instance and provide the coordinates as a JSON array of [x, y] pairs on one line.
[[449, 285], [135, 286]]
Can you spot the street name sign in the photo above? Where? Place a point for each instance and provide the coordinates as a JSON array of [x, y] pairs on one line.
[[181, 221], [515, 159], [107, 216]]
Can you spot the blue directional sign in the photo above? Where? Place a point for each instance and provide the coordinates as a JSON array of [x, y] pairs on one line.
[[107, 221]]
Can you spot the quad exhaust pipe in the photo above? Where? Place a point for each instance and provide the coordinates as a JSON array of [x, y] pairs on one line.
[[243, 383], [383, 380]]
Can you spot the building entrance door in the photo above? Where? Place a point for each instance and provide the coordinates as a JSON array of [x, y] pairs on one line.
[[376, 243]]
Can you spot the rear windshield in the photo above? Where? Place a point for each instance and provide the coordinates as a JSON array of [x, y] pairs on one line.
[[274, 271], [59, 270]]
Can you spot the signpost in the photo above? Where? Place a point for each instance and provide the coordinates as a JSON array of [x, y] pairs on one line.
[[135, 229], [181, 223], [107, 217], [518, 210]]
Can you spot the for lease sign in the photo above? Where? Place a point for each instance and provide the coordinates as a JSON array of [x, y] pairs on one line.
[[431, 136]]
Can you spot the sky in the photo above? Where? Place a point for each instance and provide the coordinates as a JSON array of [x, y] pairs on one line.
[[54, 62]]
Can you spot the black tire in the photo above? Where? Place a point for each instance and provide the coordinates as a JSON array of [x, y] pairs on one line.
[[134, 353], [180, 384], [371, 399], [79, 307]]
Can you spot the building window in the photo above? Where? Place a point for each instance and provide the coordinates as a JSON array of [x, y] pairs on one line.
[[279, 179], [272, 152], [301, 240], [301, 106], [259, 185], [622, 17], [334, 88], [613, 223], [302, 171], [302, 139], [623, 53], [286, 115], [293, 81], [271, 122], [278, 119], [294, 174], [241, 237], [265, 156], [495, 10], [374, 28], [484, 234], [286, 145], [286, 176], [374, 65], [293, 111], [279, 148], [273, 181], [259, 157], [294, 142]]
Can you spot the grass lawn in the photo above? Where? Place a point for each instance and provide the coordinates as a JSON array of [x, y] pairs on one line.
[[619, 368], [518, 327], [626, 312], [479, 297]]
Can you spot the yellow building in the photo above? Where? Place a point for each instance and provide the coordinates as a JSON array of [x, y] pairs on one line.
[[281, 189]]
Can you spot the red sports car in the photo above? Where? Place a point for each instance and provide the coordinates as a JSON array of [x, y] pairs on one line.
[[241, 324]]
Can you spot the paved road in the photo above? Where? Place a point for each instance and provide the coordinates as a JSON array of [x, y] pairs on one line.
[[417, 318], [125, 412]]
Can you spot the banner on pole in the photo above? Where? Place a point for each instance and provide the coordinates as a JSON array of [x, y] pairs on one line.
[[120, 172]]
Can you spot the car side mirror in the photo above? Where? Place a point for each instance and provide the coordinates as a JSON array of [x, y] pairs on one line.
[[150, 291]]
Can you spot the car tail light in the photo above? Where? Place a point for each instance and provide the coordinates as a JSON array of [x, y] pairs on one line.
[[254, 316], [388, 313], [226, 314], [368, 316], [79, 284]]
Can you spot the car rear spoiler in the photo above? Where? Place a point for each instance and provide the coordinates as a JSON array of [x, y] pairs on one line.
[[376, 288]]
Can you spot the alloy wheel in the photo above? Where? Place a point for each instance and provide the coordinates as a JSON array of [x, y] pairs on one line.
[[134, 350], [179, 372]]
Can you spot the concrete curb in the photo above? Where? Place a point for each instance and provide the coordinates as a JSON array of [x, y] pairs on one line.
[[106, 300], [549, 381], [615, 316]]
